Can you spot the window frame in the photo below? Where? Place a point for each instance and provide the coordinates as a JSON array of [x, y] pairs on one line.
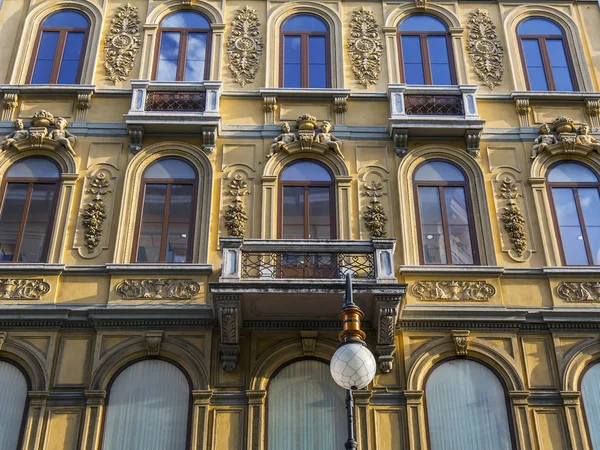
[[541, 38], [307, 185], [26, 406], [304, 61], [139, 215], [182, 55], [31, 181], [466, 185], [423, 35], [60, 47], [574, 186], [585, 370]]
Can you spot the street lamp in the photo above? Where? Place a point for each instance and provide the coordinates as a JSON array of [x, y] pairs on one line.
[[352, 366]]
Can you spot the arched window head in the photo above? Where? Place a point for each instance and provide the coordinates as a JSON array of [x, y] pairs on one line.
[[466, 408], [13, 397], [548, 65], [590, 392], [425, 51], [445, 215], [183, 47], [306, 54], [29, 196], [60, 49], [576, 208], [165, 231], [307, 201]]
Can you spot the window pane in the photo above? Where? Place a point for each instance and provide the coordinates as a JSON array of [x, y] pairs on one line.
[[293, 212], [45, 57], [458, 226], [13, 396], [305, 23], [33, 168], [152, 223], [537, 25], [66, 19], [196, 57], [432, 230], [70, 59], [572, 172], [569, 225], [10, 218], [305, 171], [292, 71], [319, 213], [439, 171], [590, 206], [412, 59], [35, 235], [170, 168], [535, 67], [590, 391], [317, 67], [422, 22], [560, 66], [169, 56], [438, 58], [179, 223], [186, 19]]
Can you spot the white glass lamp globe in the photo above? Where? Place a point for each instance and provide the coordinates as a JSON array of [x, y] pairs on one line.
[[353, 366]]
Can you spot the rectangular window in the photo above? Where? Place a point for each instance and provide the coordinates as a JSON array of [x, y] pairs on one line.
[[292, 71], [432, 228], [559, 64], [45, 57], [168, 56], [152, 223], [535, 65], [70, 61], [438, 58], [35, 233], [413, 60], [458, 225], [570, 227], [317, 65], [11, 217], [179, 223], [590, 207], [196, 57], [293, 212], [319, 213]]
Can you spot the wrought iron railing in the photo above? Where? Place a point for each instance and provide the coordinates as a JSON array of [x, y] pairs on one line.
[[434, 105], [175, 101]]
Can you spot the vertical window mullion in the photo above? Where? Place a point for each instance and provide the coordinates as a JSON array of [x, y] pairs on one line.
[[23, 222], [445, 226], [304, 59], [426, 60], [547, 64], [165, 227], [306, 214], [583, 226], [58, 56], [182, 55]]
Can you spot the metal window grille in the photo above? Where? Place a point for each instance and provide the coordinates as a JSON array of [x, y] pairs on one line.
[[434, 105], [175, 101]]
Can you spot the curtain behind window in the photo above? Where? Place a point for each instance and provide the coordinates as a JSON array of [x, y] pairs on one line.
[[13, 395], [590, 391]]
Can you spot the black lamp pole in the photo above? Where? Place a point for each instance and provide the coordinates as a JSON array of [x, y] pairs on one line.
[[348, 305]]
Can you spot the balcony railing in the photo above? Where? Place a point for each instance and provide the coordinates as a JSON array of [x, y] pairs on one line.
[[175, 101], [433, 105], [456, 101]]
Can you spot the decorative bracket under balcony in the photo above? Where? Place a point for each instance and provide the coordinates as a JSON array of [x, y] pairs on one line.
[[387, 311], [434, 111], [229, 315]]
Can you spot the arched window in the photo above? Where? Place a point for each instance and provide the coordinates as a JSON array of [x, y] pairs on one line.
[[165, 230], [590, 392], [425, 51], [306, 53], [183, 43], [576, 208], [548, 65], [305, 409], [307, 201], [29, 195], [148, 406], [466, 408], [60, 49], [445, 216], [13, 397]]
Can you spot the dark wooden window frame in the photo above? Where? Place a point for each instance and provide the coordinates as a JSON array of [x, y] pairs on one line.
[[304, 62], [425, 53], [574, 187], [586, 423], [541, 38], [60, 48], [31, 182], [469, 204], [165, 225], [183, 41], [26, 406]]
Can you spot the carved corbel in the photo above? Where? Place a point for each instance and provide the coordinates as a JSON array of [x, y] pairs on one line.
[[10, 101], [461, 341], [84, 102], [387, 309], [153, 341], [523, 111], [473, 138], [401, 142], [309, 342], [269, 107], [2, 338], [229, 315], [421, 3], [136, 137], [592, 107], [209, 139], [340, 107]]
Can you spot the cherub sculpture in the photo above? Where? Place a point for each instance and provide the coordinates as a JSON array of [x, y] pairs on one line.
[[19, 134], [62, 136], [585, 139], [283, 140], [543, 140], [325, 137]]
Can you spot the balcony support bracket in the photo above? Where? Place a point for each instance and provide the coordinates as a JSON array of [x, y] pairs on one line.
[[136, 137], [387, 310], [401, 142], [229, 316]]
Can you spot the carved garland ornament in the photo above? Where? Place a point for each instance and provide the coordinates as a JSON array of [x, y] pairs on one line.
[[157, 289], [236, 217], [512, 217], [374, 215], [365, 47], [579, 291], [473, 291], [244, 46], [122, 43], [94, 213], [23, 289], [485, 48]]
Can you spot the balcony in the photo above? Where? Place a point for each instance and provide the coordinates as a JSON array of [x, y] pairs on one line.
[[434, 111]]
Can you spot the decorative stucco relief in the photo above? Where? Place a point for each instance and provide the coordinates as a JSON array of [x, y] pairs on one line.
[[365, 47], [38, 134], [306, 136], [94, 213], [374, 216], [122, 42], [485, 48], [579, 291], [512, 218], [461, 341], [571, 139], [167, 289], [244, 46], [23, 289], [473, 291], [236, 216]]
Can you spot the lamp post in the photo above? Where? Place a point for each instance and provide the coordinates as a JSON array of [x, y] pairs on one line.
[[352, 366]]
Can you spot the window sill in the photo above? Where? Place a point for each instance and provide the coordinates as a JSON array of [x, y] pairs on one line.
[[29, 268], [304, 92], [160, 268], [555, 95], [449, 270], [62, 89], [573, 271]]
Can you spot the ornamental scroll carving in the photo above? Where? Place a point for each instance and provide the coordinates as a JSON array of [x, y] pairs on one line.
[[122, 43], [579, 291], [365, 47], [244, 46], [157, 289], [512, 217], [485, 48], [94, 213], [374, 216], [236, 216], [472, 291], [14, 289]]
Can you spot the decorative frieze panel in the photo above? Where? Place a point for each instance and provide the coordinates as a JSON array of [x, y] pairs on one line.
[[244, 46], [485, 48], [472, 291], [23, 289], [236, 216], [579, 291], [229, 315], [157, 289], [122, 43], [365, 47]]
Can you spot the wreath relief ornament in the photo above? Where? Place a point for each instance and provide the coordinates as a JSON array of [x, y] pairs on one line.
[[122, 43], [244, 46], [365, 47], [485, 48]]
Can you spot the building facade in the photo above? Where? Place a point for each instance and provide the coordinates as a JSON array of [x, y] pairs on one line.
[[185, 184]]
